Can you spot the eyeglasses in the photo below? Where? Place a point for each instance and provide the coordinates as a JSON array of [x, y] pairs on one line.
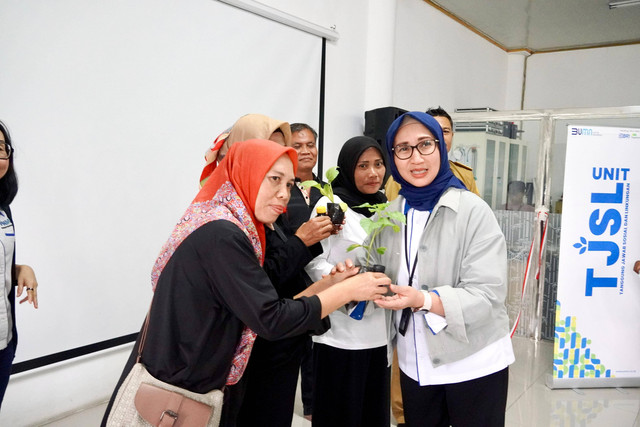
[[5, 151], [405, 151]]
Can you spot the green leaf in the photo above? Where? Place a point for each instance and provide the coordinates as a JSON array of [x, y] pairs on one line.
[[352, 247], [331, 174], [327, 191], [384, 222], [310, 183], [398, 216], [367, 225], [380, 207], [372, 226], [376, 225], [364, 205]]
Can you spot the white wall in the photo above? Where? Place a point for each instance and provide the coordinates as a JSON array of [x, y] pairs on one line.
[[515, 80], [346, 64], [380, 55], [440, 62], [602, 77], [54, 391]]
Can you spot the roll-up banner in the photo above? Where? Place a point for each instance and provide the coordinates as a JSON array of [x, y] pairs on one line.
[[597, 330]]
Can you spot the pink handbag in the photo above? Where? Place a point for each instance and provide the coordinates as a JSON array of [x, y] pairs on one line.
[[164, 408], [143, 400]]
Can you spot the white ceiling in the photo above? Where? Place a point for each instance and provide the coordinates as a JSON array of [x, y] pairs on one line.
[[547, 25]]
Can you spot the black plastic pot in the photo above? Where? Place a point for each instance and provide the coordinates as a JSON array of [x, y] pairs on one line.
[[358, 311], [375, 268], [335, 212]]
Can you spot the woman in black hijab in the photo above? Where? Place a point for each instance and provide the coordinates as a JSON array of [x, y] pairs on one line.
[[351, 374], [345, 183]]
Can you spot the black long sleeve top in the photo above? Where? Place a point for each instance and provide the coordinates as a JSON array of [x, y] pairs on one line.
[[211, 287]]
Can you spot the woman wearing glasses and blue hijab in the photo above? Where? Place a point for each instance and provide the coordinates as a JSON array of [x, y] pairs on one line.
[[449, 264]]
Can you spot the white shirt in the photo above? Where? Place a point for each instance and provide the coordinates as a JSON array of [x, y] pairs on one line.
[[347, 333], [413, 351]]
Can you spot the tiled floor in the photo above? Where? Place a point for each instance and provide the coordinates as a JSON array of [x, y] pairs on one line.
[[530, 402]]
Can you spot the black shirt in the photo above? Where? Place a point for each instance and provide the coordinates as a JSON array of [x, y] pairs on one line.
[[211, 287]]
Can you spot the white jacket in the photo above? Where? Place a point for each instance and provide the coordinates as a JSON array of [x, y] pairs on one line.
[[463, 255]]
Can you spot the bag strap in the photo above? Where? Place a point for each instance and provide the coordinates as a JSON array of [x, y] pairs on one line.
[[143, 333]]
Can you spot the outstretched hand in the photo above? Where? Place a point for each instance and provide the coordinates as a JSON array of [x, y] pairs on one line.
[[403, 297], [359, 287]]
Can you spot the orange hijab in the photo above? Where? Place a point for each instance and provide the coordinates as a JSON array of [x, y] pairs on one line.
[[245, 166]]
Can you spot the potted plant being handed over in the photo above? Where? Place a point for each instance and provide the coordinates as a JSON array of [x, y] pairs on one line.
[[335, 211], [373, 226]]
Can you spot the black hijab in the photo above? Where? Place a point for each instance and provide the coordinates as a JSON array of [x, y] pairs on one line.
[[344, 185]]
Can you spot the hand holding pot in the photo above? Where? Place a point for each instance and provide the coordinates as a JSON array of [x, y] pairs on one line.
[[365, 287], [343, 271], [315, 230], [335, 212]]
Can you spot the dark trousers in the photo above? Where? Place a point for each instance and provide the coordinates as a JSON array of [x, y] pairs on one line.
[[306, 379], [6, 360], [478, 402], [270, 380], [351, 387]]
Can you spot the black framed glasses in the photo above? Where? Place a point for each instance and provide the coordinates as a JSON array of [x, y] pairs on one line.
[[405, 151], [5, 151]]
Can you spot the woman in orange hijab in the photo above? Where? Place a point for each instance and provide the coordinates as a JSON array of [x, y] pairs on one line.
[[211, 295]]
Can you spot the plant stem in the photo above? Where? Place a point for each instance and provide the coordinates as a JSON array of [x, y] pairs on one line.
[[370, 246]]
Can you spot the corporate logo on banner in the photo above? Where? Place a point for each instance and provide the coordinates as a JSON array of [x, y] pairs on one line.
[[598, 248], [584, 131], [607, 230], [623, 133]]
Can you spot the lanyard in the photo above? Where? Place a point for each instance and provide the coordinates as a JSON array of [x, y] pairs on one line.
[[406, 312], [407, 251]]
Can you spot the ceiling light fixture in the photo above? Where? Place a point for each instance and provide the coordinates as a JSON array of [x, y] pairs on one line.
[[623, 3]]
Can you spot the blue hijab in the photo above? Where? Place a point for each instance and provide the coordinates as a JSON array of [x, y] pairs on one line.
[[423, 198]]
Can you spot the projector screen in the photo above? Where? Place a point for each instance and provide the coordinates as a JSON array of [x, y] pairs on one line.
[[111, 106]]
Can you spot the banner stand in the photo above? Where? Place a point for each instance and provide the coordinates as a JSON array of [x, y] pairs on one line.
[[597, 335]]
